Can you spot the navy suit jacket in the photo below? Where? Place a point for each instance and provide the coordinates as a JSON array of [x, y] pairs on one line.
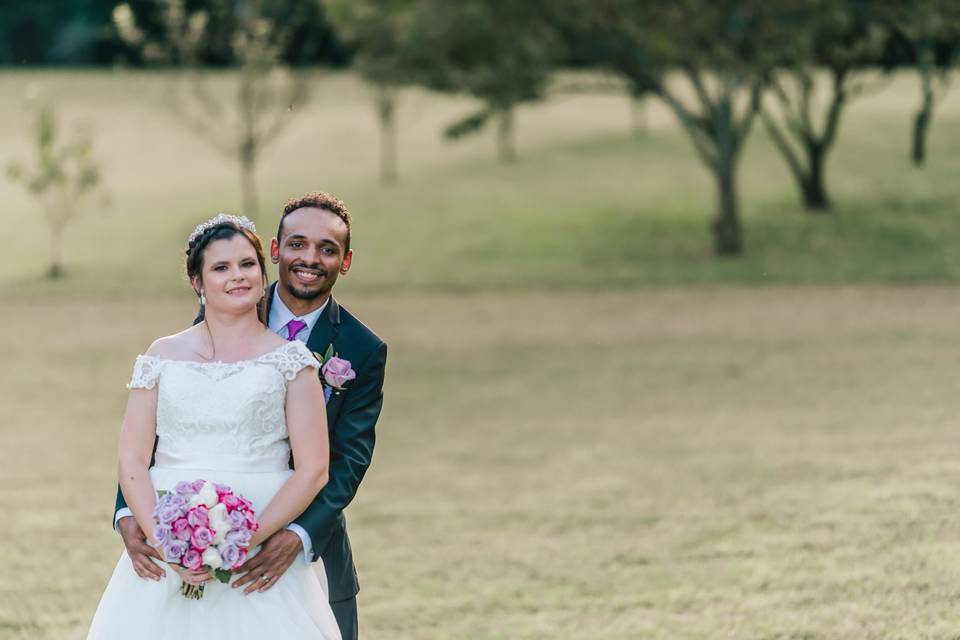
[[351, 419]]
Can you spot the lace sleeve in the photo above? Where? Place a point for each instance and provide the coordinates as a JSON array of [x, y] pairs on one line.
[[146, 372], [292, 358]]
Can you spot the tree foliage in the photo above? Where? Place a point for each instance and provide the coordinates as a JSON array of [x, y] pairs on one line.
[[500, 52]]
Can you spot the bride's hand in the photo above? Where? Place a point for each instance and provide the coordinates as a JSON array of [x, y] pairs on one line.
[[198, 576]]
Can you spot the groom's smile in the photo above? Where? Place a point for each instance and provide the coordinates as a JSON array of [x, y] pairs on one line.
[[311, 253]]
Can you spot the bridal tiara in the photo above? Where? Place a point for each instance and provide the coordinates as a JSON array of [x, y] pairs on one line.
[[241, 221]]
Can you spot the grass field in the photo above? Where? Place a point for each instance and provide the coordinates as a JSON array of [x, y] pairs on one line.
[[743, 464], [583, 435]]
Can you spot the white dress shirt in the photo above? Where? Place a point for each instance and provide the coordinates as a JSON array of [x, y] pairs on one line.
[[278, 319]]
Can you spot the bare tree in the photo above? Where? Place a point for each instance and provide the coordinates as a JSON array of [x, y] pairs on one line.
[[265, 91], [63, 177]]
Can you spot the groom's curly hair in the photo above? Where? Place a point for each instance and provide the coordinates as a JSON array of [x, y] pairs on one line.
[[319, 200]]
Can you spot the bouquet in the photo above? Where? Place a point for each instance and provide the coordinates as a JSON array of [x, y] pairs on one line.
[[204, 525]]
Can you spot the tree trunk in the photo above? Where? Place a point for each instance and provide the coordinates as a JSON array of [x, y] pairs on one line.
[[386, 112], [56, 251], [921, 121], [813, 191], [639, 126], [727, 232], [505, 145], [248, 178]]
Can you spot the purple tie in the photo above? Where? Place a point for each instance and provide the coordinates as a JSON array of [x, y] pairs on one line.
[[293, 328]]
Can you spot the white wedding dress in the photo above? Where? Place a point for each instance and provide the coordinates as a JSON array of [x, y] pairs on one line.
[[222, 422]]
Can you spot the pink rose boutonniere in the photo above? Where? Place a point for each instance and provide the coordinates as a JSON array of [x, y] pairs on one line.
[[336, 373]]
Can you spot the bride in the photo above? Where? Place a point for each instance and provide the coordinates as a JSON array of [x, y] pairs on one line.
[[227, 401]]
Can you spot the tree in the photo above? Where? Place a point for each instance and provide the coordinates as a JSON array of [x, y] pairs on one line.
[[382, 32], [501, 52], [839, 37], [265, 90], [723, 50], [63, 177], [930, 32]]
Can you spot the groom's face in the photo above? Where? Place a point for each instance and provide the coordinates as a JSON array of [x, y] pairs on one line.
[[310, 252]]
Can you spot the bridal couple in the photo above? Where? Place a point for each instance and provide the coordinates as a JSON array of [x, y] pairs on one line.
[[240, 399]]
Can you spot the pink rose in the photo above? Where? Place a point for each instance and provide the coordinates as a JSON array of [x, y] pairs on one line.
[[337, 372], [231, 501], [245, 504], [181, 529], [241, 557], [252, 521], [192, 559], [201, 538], [198, 516]]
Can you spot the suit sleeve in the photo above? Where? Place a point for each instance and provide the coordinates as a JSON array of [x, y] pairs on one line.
[[120, 504], [351, 450]]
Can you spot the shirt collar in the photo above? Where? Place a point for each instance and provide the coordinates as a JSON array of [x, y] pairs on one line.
[[280, 315]]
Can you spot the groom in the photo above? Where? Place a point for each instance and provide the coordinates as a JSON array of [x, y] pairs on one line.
[[312, 249]]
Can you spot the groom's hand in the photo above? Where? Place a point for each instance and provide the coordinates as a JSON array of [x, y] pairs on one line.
[[139, 551], [263, 570]]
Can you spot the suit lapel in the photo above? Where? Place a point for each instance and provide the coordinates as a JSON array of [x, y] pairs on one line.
[[270, 300], [325, 331]]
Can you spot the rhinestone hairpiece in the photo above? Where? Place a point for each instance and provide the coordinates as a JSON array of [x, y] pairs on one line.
[[241, 221]]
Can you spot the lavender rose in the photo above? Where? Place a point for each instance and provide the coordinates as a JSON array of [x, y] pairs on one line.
[[229, 554], [238, 537], [236, 519], [184, 488], [173, 550], [168, 513], [337, 372], [162, 533]]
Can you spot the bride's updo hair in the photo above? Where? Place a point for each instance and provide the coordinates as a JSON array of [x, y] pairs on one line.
[[223, 230]]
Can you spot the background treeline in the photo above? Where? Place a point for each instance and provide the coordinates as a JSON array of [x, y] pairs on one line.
[[81, 33], [723, 68]]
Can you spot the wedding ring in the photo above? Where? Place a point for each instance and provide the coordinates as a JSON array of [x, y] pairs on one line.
[[264, 577]]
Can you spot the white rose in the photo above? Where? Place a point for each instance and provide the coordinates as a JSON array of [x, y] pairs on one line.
[[219, 523], [211, 558], [195, 501], [208, 494]]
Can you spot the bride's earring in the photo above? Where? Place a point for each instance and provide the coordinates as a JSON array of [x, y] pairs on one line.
[[203, 299]]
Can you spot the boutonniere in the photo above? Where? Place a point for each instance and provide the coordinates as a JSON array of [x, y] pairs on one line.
[[335, 373]]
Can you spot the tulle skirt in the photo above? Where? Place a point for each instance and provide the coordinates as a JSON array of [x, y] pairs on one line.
[[296, 607]]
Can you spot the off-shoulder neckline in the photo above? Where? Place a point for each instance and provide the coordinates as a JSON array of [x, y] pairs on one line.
[[221, 362]]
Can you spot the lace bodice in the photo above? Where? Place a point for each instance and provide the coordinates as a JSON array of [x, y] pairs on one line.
[[226, 415]]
